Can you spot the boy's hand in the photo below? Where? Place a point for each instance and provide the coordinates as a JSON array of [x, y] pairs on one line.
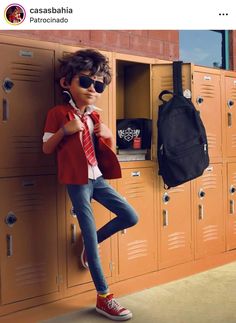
[[73, 126], [101, 130]]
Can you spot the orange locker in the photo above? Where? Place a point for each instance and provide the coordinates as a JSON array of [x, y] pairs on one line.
[[231, 212], [137, 245], [29, 246], [27, 92], [230, 113], [208, 212], [76, 274], [206, 90], [175, 226]]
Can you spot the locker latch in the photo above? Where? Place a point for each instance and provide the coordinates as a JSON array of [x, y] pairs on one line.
[[7, 85], [199, 100], [232, 189], [72, 212], [165, 198], [201, 194], [230, 103], [10, 219]]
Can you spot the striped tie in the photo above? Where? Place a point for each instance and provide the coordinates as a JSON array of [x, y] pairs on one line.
[[87, 143]]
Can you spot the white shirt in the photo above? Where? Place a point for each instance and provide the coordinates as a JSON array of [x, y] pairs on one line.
[[93, 171]]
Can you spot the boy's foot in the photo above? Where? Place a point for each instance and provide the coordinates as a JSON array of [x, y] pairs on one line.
[[83, 258], [109, 307]]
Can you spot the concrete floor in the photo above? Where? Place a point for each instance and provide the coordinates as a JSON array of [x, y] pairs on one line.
[[208, 297]]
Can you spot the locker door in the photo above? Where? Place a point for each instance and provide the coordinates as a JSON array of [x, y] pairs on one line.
[[231, 212], [29, 264], [230, 115], [27, 92], [175, 226], [207, 99], [78, 275], [209, 215], [137, 245]]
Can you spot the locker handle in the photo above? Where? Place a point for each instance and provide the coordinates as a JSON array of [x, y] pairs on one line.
[[73, 233], [230, 103], [231, 206], [199, 100], [229, 119], [9, 245], [165, 218], [200, 212], [5, 110], [232, 189], [136, 174]]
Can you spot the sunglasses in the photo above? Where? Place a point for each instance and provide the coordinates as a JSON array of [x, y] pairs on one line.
[[85, 82]]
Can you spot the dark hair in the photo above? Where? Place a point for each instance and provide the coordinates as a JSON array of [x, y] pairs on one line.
[[84, 60]]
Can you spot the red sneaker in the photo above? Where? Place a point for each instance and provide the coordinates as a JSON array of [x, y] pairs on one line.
[[109, 307], [83, 258]]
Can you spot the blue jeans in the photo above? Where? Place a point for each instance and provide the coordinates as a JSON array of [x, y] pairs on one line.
[[126, 216]]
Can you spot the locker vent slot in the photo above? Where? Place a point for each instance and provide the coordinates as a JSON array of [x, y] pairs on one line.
[[233, 93], [233, 140], [176, 240], [177, 189], [233, 179], [137, 249], [167, 83], [210, 232], [234, 227], [30, 274], [27, 144], [28, 201], [26, 72], [208, 90], [209, 181], [212, 140], [135, 189]]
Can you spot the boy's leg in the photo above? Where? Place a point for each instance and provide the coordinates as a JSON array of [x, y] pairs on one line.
[[126, 216], [80, 196]]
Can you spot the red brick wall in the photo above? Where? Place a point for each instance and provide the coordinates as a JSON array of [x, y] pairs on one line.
[[232, 49], [163, 44]]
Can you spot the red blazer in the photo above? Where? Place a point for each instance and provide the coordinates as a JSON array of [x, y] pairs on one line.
[[71, 159]]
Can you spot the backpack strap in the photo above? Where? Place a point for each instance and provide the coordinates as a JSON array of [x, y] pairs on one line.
[[177, 78]]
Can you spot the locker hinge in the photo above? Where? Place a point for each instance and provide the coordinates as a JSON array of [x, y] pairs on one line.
[[59, 279]]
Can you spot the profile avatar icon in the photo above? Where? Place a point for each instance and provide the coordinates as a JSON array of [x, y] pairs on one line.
[[15, 14]]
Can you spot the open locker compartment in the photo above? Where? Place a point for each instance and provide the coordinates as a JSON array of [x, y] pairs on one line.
[[133, 107]]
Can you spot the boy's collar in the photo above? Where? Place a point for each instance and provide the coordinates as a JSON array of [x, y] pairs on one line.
[[89, 108]]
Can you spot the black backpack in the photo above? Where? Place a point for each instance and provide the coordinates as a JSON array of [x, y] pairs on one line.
[[182, 148]]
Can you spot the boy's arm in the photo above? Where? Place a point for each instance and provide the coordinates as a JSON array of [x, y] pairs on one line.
[[68, 129], [51, 144]]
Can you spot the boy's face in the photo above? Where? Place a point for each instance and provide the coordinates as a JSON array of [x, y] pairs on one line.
[[81, 95]]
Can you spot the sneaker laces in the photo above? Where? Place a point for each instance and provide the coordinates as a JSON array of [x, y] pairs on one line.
[[113, 304]]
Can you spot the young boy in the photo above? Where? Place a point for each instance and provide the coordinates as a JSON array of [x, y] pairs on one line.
[[84, 153]]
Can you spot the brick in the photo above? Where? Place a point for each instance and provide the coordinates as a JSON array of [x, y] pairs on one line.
[[147, 46], [165, 35], [142, 33], [112, 40], [171, 51]]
